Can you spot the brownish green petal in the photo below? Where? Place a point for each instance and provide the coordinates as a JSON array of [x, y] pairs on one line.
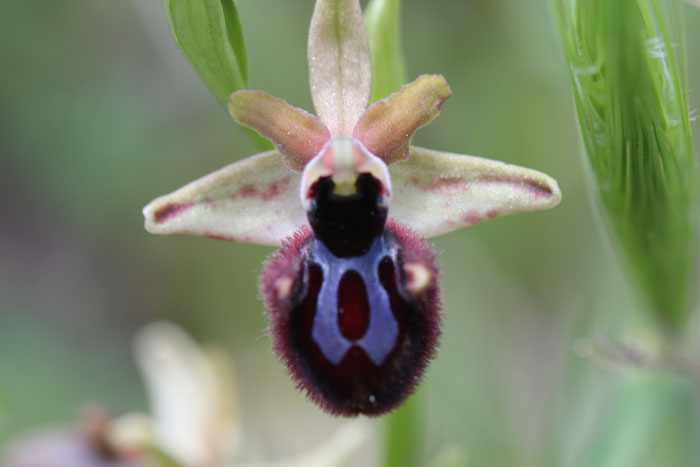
[[386, 128], [297, 135]]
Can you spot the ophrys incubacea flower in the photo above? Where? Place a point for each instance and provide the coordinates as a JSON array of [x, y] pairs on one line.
[[352, 294], [194, 419]]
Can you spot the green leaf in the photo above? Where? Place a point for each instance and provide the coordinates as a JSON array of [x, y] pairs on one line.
[[627, 65], [383, 20], [209, 34]]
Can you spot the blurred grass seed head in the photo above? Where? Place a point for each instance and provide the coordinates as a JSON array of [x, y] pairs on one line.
[[627, 66]]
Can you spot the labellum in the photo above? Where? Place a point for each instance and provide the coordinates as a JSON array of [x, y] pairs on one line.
[[354, 300]]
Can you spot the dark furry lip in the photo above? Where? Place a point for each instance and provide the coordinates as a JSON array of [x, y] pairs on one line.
[[346, 315]]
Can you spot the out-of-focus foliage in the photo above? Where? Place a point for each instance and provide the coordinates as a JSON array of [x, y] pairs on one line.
[[627, 64], [652, 422]]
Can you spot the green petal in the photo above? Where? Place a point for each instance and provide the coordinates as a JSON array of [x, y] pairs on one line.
[[297, 135], [386, 128], [437, 192], [255, 200], [339, 64], [383, 19], [209, 34]]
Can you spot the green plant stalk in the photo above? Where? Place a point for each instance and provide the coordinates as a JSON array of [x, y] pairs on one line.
[[403, 434], [626, 61], [383, 21]]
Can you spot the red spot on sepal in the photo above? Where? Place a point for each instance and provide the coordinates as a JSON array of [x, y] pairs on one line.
[[472, 217], [170, 211], [269, 193]]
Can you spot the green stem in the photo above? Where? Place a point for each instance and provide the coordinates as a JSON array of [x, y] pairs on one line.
[[403, 434]]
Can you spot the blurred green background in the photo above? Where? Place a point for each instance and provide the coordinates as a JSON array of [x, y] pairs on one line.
[[100, 113]]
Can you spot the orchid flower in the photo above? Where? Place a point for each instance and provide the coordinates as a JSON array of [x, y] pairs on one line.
[[352, 294], [193, 420]]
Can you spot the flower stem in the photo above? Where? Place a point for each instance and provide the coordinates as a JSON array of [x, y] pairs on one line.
[[403, 434]]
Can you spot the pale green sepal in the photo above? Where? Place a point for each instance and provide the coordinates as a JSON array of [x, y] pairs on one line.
[[255, 200], [209, 34], [383, 20], [340, 71], [437, 192]]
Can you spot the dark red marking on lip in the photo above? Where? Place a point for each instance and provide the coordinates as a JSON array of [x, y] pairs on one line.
[[353, 306], [271, 192], [170, 211]]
